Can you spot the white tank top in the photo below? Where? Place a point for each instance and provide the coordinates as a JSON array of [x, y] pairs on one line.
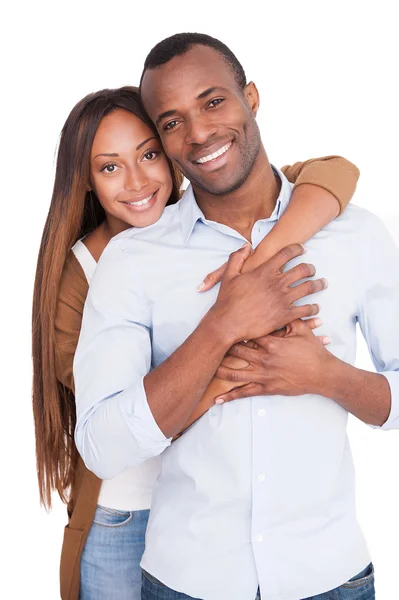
[[131, 489]]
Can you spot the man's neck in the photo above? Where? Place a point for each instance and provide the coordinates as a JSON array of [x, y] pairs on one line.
[[254, 200]]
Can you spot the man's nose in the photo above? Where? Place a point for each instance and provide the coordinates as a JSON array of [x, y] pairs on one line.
[[199, 131]]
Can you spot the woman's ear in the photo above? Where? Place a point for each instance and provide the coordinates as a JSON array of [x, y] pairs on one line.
[[252, 96]]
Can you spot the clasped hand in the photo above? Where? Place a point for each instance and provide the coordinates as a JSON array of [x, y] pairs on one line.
[[290, 362]]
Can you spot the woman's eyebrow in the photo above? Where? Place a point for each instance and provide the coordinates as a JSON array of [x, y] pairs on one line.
[[145, 141], [113, 154]]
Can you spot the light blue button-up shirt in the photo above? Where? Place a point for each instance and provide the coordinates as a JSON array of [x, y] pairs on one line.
[[259, 491]]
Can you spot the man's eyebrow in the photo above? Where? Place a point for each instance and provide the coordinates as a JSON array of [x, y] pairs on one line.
[[209, 91], [112, 154], [164, 115]]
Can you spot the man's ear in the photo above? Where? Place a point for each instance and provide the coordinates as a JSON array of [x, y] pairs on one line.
[[252, 96]]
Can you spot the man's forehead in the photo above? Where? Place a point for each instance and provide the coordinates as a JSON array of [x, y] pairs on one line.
[[185, 77]]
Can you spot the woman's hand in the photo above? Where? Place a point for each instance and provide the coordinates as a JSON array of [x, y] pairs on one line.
[[268, 250], [212, 279]]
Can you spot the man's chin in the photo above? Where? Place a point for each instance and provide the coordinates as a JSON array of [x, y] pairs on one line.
[[218, 186]]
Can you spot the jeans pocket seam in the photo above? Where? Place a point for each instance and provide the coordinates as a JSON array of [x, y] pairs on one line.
[[114, 513], [359, 582]]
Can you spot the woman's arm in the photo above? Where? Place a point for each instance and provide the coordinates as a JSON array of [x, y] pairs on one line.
[[71, 299], [323, 189]]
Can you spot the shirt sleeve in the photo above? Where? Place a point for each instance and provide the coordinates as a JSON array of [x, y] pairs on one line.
[[333, 173], [379, 311], [115, 426], [71, 299]]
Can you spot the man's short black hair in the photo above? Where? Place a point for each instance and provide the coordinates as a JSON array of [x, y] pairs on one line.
[[180, 43]]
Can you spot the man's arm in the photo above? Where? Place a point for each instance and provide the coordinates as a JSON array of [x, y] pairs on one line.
[[298, 364], [374, 397], [126, 414]]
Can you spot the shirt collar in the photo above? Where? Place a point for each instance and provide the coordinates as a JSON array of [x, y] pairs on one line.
[[190, 212]]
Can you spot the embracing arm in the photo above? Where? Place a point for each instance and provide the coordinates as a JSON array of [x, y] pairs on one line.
[[323, 189], [127, 413], [296, 363]]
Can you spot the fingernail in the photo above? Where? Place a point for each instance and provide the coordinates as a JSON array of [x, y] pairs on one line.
[[219, 401], [303, 247], [325, 281], [318, 322], [327, 340], [201, 286]]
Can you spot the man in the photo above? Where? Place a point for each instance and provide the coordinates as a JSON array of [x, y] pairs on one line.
[[258, 496]]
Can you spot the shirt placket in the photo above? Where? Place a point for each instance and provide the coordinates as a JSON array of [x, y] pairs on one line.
[[262, 436]]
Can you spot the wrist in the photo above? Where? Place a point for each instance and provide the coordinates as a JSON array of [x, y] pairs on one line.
[[335, 378], [220, 327]]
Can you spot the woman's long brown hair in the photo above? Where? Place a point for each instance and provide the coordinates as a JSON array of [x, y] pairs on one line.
[[73, 213]]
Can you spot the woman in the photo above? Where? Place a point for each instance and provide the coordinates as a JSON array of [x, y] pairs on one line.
[[108, 148]]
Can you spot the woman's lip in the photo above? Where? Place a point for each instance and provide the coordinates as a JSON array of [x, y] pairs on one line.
[[143, 207], [146, 197]]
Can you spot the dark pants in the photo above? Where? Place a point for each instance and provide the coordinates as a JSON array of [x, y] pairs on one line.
[[360, 587]]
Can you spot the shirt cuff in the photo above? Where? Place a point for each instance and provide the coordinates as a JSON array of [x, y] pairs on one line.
[[393, 420], [140, 421]]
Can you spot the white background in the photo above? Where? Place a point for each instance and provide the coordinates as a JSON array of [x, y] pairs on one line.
[[327, 74]]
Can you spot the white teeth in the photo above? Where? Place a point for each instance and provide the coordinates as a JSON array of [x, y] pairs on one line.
[[140, 202], [222, 150]]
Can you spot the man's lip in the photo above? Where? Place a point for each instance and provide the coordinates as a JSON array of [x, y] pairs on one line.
[[139, 198], [210, 150]]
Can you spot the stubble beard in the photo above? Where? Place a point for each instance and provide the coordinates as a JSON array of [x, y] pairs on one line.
[[249, 153]]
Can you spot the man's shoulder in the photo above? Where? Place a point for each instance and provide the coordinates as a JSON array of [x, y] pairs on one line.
[[359, 221]]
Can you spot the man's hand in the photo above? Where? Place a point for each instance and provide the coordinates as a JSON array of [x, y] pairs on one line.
[[261, 301], [291, 363]]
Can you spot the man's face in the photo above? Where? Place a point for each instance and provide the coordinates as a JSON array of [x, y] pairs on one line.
[[205, 120]]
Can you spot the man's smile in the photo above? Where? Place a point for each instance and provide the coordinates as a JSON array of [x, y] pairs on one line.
[[214, 155]]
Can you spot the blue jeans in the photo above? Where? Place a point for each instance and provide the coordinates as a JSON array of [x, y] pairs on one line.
[[110, 564], [360, 587]]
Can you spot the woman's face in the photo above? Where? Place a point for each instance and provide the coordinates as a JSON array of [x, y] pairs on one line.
[[129, 171]]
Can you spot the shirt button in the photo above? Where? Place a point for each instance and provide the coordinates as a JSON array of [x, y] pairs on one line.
[[261, 477], [261, 412], [259, 537]]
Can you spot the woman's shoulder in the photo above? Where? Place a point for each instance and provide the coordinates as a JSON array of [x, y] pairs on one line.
[[73, 284]]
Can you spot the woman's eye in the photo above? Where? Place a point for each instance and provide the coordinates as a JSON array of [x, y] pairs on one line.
[[216, 102], [111, 168], [151, 155]]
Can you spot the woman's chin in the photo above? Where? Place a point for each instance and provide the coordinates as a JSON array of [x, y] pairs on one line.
[[144, 219]]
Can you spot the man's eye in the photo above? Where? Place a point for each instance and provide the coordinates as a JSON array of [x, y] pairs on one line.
[[170, 125], [111, 168], [216, 102]]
